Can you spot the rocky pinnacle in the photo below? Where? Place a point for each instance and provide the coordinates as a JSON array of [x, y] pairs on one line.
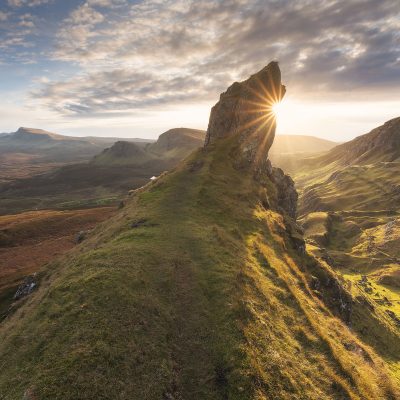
[[245, 111]]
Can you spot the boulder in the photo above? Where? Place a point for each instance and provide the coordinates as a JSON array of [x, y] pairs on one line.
[[28, 285], [80, 237]]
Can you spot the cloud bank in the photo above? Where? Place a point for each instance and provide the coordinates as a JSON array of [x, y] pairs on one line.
[[142, 55]]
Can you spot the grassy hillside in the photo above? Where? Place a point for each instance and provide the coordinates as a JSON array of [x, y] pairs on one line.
[[29, 240], [193, 291], [359, 175], [356, 187], [349, 206]]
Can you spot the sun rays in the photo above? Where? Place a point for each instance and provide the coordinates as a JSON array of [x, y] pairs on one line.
[[260, 113]]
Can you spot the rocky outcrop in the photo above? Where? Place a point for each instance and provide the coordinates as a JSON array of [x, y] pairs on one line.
[[286, 192], [245, 110], [26, 287]]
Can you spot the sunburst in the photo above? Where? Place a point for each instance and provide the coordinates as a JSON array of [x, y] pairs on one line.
[[263, 111]]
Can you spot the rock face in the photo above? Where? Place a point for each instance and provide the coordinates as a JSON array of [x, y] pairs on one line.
[[245, 109], [287, 193]]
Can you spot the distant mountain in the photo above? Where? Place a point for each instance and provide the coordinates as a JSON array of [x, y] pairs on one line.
[[362, 174], [122, 152], [110, 174], [292, 144], [48, 146], [176, 143], [381, 144], [51, 146], [172, 146], [30, 151], [32, 134]]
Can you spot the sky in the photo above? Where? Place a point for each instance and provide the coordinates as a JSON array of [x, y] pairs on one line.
[[135, 68]]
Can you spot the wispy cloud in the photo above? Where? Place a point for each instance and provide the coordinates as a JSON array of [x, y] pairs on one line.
[[29, 3], [26, 20], [154, 52]]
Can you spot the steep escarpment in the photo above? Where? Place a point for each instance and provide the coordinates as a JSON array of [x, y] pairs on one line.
[[381, 144], [48, 146], [197, 289], [358, 175]]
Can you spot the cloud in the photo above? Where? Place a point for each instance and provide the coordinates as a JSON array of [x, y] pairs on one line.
[[26, 20], [16, 34], [154, 52], [3, 16], [29, 3], [119, 91], [107, 3], [15, 41]]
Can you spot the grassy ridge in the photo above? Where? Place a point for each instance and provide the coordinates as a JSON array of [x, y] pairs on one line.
[[191, 292]]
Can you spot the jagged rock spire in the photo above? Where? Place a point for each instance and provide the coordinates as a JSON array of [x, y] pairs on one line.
[[245, 110]]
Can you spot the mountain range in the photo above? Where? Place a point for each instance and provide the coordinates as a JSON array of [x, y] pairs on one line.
[[98, 171]]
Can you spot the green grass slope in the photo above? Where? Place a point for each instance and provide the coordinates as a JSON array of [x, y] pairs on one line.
[[356, 187], [349, 206], [193, 291]]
